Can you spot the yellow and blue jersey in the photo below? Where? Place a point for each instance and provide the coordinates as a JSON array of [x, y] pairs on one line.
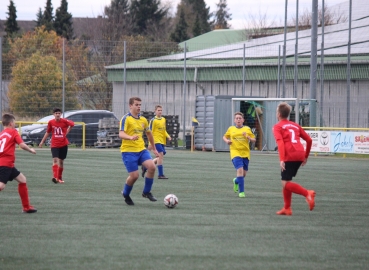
[[133, 126], [240, 144], [158, 128]]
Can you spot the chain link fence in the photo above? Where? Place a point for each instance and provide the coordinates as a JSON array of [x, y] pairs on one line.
[[41, 71]]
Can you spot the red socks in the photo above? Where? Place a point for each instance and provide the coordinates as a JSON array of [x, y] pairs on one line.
[[60, 173], [23, 193], [287, 197], [296, 188], [55, 170]]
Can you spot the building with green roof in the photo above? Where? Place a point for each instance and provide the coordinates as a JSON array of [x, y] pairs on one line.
[[224, 62]]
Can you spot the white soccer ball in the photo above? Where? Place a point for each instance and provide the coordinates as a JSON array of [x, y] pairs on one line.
[[170, 201]]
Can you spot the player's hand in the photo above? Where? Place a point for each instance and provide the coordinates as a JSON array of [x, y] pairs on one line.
[[229, 142], [134, 138], [304, 162], [282, 165], [169, 138], [155, 153], [40, 145]]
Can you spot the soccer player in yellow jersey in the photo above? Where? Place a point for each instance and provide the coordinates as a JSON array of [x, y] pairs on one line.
[[238, 138], [158, 127], [134, 153]]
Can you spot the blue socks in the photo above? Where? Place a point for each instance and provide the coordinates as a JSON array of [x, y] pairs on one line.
[[160, 170], [148, 184], [241, 183], [127, 190]]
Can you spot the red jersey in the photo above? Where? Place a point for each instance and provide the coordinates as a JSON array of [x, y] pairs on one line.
[[8, 139], [287, 135], [58, 130]]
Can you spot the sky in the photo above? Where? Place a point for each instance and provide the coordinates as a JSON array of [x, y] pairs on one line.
[[241, 10]]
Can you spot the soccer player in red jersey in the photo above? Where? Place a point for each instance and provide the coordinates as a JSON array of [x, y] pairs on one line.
[[291, 156], [59, 129], [9, 137]]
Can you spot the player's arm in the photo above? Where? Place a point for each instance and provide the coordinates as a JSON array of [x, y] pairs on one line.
[[280, 143], [168, 136], [70, 126], [226, 139], [43, 139], [151, 140], [249, 135], [126, 136], [26, 148], [309, 143]]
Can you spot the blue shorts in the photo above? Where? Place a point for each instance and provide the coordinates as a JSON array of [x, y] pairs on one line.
[[133, 159], [160, 148], [239, 162]]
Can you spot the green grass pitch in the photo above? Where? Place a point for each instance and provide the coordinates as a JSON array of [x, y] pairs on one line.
[[85, 224]]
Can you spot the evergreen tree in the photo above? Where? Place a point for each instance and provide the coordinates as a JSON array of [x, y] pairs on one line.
[[199, 8], [222, 15], [196, 29], [39, 17], [63, 21], [48, 17], [180, 32], [11, 25], [118, 20], [145, 12]]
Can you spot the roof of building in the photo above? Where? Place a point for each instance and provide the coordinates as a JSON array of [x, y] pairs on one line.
[[260, 54]]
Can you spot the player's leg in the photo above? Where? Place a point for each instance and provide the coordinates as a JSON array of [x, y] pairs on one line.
[[146, 160], [130, 161], [160, 160], [292, 187], [23, 191], [238, 164], [55, 166], [63, 151]]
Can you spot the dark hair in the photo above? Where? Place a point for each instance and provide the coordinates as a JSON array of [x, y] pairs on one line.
[[284, 110], [132, 100], [56, 110], [7, 119], [158, 106]]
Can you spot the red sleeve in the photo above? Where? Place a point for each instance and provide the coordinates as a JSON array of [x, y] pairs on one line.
[[279, 140], [281, 150], [49, 127], [17, 138], [308, 140], [70, 123]]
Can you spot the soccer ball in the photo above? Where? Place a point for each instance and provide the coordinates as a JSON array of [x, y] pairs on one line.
[[170, 201]]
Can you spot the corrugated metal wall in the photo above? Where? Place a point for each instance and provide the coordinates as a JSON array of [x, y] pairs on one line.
[[332, 111]]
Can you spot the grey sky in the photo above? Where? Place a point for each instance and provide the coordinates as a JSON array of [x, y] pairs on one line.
[[240, 9]]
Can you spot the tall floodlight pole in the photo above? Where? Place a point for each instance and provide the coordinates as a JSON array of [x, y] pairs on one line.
[[349, 67], [243, 70], [284, 50], [124, 77], [279, 72], [322, 65], [184, 94], [1, 79], [296, 50], [63, 105], [313, 61]]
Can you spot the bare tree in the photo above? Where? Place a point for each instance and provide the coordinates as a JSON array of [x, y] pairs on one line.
[[260, 25], [331, 16]]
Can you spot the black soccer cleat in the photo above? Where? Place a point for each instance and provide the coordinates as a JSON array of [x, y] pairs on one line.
[[128, 199], [149, 196], [54, 180], [30, 210], [162, 177]]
